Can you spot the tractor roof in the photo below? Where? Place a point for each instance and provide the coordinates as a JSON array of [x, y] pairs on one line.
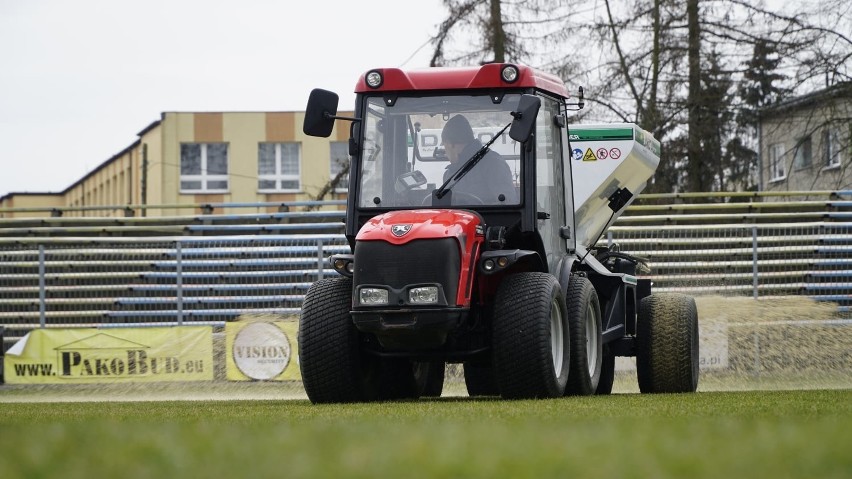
[[440, 78]]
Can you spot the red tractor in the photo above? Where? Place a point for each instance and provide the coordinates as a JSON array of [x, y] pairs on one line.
[[473, 218]]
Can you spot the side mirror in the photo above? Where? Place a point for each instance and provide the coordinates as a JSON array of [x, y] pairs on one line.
[[320, 113], [524, 122]]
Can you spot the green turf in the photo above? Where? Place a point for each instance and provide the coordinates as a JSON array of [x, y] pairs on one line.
[[720, 435]]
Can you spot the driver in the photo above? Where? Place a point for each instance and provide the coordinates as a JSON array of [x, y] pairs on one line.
[[490, 178]]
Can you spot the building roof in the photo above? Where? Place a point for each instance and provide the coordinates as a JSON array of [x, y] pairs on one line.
[[154, 124], [838, 90], [12, 194], [102, 165]]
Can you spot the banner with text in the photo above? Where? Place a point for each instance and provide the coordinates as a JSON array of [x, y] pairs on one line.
[[262, 351], [68, 356]]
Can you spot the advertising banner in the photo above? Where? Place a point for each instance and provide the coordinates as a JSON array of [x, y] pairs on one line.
[[262, 351], [85, 355]]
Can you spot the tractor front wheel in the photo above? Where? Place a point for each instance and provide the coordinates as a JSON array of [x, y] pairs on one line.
[[334, 370], [531, 338]]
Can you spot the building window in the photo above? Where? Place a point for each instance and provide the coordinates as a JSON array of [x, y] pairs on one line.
[[203, 167], [833, 157], [777, 169], [803, 157], [339, 154], [278, 167]]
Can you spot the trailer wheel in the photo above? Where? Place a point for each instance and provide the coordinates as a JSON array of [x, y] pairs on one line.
[[480, 380], [584, 319], [404, 379], [429, 377], [531, 338], [667, 344], [333, 368], [396, 380], [607, 372]]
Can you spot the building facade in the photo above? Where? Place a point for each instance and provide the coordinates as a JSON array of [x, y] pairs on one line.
[[201, 158], [806, 142]]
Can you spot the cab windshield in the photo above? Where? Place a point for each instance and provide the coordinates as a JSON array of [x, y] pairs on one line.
[[405, 157]]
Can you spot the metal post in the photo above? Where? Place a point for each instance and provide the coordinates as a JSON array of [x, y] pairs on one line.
[[320, 259], [759, 152], [609, 239], [2, 353], [143, 187], [179, 282], [42, 296], [756, 354], [754, 260]]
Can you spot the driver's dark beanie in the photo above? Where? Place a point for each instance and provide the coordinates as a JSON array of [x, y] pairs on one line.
[[457, 131]]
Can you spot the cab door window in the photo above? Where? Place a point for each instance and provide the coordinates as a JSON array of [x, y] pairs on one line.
[[550, 191]]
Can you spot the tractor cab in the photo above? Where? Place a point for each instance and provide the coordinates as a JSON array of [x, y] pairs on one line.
[[487, 140]]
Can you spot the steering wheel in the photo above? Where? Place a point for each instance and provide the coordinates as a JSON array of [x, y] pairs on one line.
[[473, 199]]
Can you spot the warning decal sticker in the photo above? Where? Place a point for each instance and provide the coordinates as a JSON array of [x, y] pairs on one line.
[[614, 153], [589, 156], [577, 154]]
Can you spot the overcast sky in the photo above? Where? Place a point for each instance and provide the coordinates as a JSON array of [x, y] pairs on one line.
[[79, 79]]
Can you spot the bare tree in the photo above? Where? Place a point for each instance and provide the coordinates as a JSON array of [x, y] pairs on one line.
[[678, 70], [338, 181], [500, 30], [695, 161]]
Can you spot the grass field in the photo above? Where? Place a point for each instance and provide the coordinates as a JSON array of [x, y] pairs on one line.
[[786, 412], [713, 434]]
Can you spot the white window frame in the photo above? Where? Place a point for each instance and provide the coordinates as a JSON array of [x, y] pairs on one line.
[[777, 166], [833, 150], [278, 176], [331, 164], [205, 177]]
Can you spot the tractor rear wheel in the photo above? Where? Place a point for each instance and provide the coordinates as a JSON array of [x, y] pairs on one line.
[[667, 344], [531, 338], [334, 370], [584, 319]]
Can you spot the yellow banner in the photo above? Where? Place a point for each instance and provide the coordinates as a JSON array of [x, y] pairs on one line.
[[262, 351], [84, 355]]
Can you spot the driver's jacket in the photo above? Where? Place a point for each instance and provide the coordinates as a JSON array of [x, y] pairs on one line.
[[490, 178]]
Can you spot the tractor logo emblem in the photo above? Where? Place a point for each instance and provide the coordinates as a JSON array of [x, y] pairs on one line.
[[400, 230]]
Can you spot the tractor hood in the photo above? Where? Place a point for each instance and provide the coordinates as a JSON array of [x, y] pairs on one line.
[[400, 227], [606, 159]]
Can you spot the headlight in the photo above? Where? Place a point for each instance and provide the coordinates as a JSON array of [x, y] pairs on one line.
[[373, 296], [374, 79], [423, 295], [509, 73], [343, 264]]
